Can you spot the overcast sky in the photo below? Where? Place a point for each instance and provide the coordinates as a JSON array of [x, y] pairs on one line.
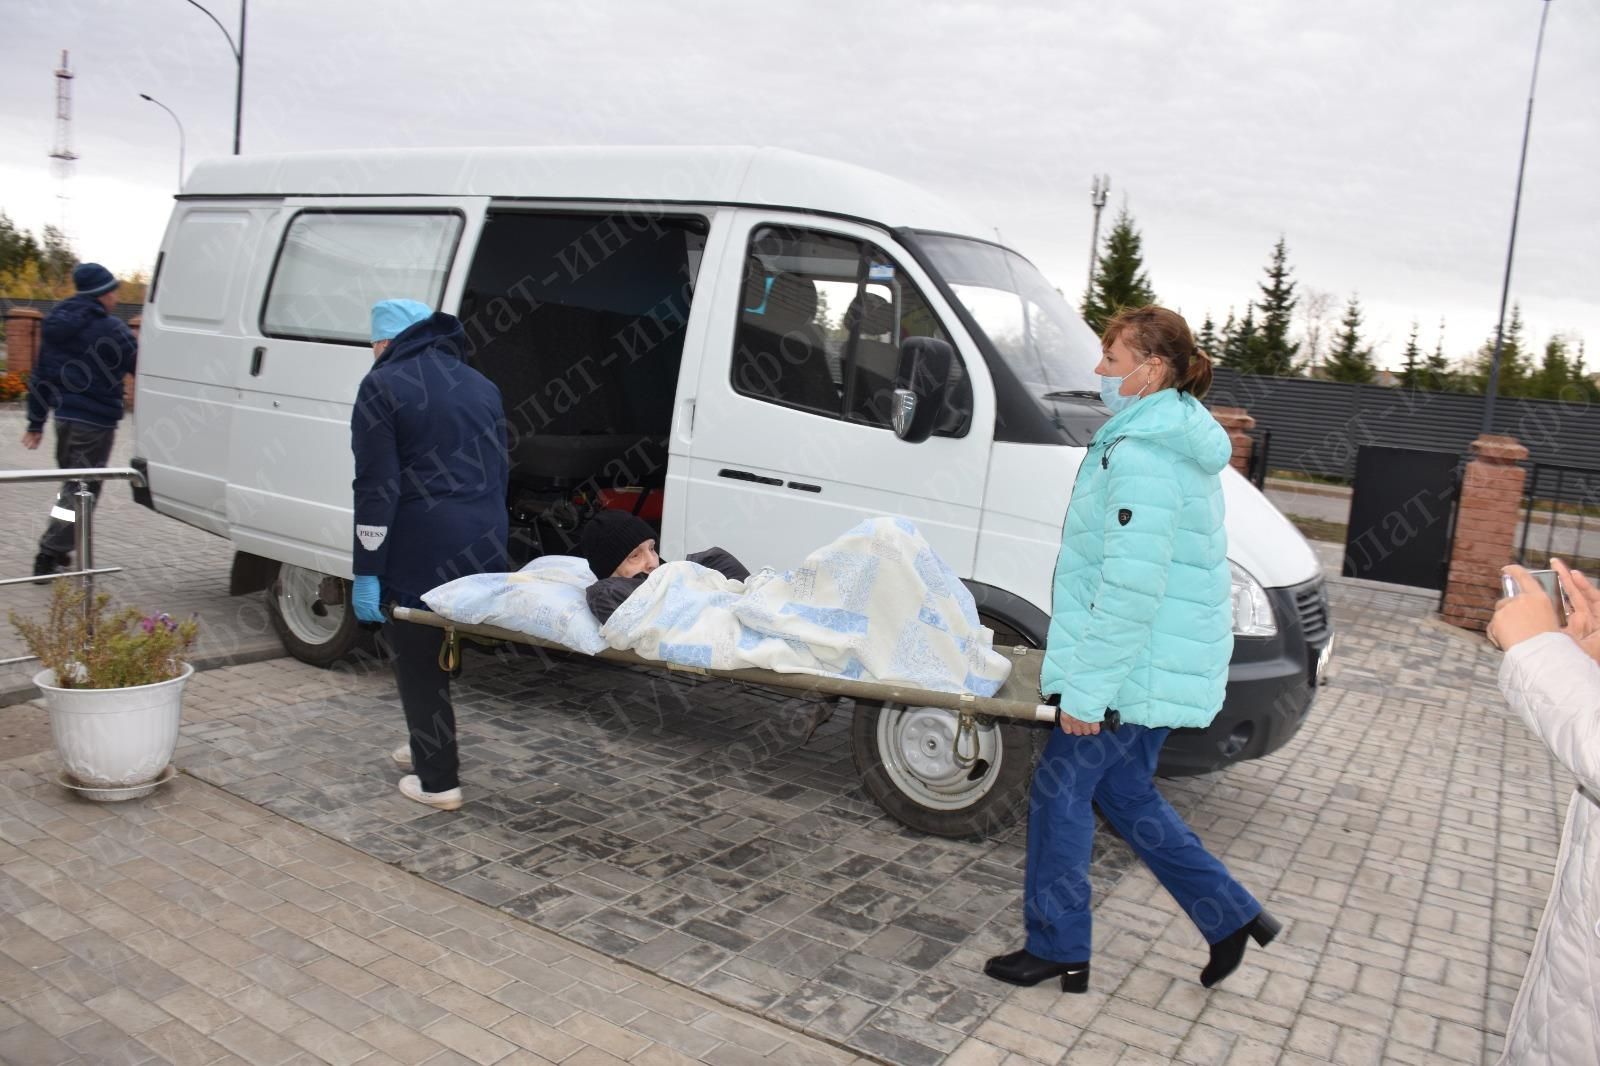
[[1379, 138]]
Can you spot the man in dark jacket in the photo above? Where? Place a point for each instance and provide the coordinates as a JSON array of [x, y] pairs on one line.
[[428, 434], [85, 354], [621, 552]]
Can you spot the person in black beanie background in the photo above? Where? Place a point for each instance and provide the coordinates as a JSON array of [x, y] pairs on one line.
[[621, 551], [85, 354]]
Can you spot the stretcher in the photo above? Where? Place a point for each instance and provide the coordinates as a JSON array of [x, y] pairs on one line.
[[1018, 698]]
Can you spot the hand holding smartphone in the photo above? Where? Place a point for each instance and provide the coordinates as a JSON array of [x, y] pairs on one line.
[[1548, 580]]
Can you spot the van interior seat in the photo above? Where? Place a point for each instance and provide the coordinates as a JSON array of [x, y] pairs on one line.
[[781, 353], [871, 317]]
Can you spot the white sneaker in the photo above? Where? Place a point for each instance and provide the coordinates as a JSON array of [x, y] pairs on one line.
[[448, 800], [402, 756]]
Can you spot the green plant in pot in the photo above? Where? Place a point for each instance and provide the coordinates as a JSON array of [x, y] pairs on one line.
[[113, 685]]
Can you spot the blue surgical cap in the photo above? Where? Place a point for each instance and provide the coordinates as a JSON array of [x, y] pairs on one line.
[[390, 318]]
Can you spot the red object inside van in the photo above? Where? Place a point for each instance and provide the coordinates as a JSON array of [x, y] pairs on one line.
[[628, 499]]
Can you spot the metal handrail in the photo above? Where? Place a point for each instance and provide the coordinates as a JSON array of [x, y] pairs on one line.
[[82, 529]]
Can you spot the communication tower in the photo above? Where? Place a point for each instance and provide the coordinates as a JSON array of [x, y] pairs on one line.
[[62, 155]]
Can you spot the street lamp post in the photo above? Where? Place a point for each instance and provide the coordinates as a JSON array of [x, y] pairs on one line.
[[238, 58], [174, 114], [1511, 245]]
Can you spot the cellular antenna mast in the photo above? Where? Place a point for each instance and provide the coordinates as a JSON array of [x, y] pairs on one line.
[[62, 154]]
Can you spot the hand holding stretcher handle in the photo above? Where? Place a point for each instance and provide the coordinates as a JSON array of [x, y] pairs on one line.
[[1112, 720]]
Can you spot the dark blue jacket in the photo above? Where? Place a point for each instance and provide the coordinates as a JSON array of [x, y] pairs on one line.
[[428, 434], [85, 352]]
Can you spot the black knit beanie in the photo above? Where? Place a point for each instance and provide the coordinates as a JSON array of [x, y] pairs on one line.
[[609, 538]]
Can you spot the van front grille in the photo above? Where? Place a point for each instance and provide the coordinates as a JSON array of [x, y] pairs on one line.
[[1311, 603]]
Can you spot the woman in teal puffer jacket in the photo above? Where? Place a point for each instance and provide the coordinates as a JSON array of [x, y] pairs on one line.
[[1141, 633]]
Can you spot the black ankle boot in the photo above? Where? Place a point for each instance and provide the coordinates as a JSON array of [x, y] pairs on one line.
[[1227, 953], [1024, 968], [47, 563]]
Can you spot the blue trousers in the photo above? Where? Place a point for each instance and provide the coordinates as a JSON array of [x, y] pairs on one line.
[[1115, 771]]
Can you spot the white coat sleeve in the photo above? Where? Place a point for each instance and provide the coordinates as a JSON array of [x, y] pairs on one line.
[[1555, 686]]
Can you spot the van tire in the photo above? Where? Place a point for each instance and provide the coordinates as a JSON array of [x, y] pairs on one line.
[[320, 639], [1006, 799], [999, 807]]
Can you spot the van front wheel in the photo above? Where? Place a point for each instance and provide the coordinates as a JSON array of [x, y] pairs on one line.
[[910, 764], [309, 612]]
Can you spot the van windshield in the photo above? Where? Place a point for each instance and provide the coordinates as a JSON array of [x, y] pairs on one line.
[[1045, 344]]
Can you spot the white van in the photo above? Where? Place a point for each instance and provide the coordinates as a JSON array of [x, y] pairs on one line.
[[708, 335]]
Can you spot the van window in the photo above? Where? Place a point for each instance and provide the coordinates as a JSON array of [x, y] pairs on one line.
[[821, 321], [207, 251], [334, 265]]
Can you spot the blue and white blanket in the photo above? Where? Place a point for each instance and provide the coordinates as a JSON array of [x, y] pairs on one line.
[[877, 604]]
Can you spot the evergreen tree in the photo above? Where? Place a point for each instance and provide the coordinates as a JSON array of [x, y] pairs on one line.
[[1554, 373], [1412, 374], [1515, 373], [1561, 375], [1119, 280], [1349, 360], [1241, 346], [1224, 338], [1206, 339], [1437, 369], [1275, 354]]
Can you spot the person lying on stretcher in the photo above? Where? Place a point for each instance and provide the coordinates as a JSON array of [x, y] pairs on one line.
[[621, 551]]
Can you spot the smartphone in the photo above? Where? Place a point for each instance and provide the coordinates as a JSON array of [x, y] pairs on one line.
[[1548, 580]]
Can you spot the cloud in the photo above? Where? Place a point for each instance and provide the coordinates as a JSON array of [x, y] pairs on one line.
[[1380, 139]]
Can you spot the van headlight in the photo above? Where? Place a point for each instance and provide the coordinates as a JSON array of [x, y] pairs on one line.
[[1252, 611]]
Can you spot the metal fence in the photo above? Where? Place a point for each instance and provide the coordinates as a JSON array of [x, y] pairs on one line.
[[1316, 426], [1571, 533]]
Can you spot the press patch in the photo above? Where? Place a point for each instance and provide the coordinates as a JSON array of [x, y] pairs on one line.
[[371, 537], [1124, 516]]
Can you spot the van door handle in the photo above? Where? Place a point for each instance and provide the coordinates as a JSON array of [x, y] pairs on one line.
[[745, 475], [255, 361]]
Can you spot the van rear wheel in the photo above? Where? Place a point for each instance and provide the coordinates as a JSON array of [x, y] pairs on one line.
[[310, 614]]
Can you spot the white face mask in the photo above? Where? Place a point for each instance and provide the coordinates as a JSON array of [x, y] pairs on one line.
[[1111, 391]]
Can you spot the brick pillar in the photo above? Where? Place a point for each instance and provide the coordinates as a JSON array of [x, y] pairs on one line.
[[22, 339], [127, 382], [1238, 423], [1486, 530]]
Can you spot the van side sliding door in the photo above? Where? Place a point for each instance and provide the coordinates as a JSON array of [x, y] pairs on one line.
[[329, 261]]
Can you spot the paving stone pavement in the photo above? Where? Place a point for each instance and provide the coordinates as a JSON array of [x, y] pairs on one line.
[[169, 566], [1407, 837], [193, 927]]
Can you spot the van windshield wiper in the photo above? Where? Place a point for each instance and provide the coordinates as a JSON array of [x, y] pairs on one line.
[[1072, 394]]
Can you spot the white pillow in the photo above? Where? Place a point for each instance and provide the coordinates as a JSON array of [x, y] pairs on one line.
[[544, 599]]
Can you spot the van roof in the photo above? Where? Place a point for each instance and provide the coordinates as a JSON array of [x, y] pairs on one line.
[[773, 177]]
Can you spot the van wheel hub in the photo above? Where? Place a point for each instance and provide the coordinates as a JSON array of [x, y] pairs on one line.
[[299, 598], [918, 745]]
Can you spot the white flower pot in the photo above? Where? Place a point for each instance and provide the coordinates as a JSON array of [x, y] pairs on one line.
[[115, 739]]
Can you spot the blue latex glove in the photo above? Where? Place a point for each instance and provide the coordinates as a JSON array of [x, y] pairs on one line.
[[365, 598]]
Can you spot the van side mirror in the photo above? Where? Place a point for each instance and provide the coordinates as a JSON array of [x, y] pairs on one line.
[[921, 386]]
